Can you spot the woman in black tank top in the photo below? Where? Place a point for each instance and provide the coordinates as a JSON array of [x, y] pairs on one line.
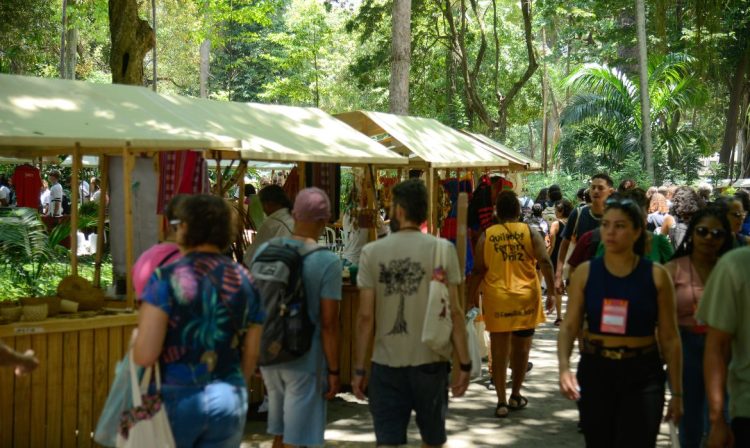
[[625, 305]]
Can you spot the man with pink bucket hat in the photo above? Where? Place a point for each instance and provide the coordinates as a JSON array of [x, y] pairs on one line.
[[298, 389]]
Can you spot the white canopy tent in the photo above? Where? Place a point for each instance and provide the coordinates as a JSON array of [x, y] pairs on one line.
[[424, 140], [283, 133]]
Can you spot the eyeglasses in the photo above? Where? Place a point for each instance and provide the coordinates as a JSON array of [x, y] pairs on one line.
[[174, 222], [716, 234]]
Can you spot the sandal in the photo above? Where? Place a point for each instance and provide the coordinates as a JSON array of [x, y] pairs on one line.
[[505, 408], [517, 402], [558, 322]]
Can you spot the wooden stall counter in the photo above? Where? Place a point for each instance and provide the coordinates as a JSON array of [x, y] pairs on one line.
[[59, 404]]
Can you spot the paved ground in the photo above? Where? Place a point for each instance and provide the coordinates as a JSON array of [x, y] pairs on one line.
[[549, 419]]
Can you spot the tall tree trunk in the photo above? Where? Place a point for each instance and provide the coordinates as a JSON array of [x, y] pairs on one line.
[[153, 21], [205, 53], [132, 38], [733, 111], [63, 32], [398, 92], [645, 100], [504, 102], [532, 145], [545, 125], [71, 54]]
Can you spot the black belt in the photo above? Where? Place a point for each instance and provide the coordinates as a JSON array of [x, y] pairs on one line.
[[617, 353]]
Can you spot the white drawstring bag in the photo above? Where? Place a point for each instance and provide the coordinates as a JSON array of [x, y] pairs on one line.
[[146, 424], [471, 337], [438, 325]]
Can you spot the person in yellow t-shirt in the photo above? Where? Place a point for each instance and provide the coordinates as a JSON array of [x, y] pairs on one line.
[[505, 264]]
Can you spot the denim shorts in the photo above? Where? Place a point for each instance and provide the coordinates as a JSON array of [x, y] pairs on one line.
[[206, 416], [396, 391], [296, 405]]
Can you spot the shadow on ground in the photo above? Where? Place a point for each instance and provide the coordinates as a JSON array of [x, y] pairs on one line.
[[549, 420]]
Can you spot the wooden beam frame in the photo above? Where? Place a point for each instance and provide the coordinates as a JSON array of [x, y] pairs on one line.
[[128, 164], [104, 194], [75, 190]]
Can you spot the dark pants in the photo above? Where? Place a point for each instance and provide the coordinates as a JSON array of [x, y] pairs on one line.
[[396, 391], [694, 422], [621, 400], [741, 431]]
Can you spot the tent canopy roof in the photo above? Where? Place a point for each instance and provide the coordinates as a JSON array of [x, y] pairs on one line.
[[282, 133], [514, 157], [426, 139], [52, 113]]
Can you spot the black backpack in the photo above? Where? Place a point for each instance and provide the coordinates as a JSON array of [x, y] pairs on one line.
[[288, 330]]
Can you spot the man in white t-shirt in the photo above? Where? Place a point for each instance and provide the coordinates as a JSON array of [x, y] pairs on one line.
[[394, 277], [84, 192], [55, 194], [356, 237], [278, 222]]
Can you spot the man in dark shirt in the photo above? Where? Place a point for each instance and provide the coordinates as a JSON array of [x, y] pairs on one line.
[[582, 220]]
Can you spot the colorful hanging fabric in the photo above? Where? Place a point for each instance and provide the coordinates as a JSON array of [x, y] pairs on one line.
[[181, 172]]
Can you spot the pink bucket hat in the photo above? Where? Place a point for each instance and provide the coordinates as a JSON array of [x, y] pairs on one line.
[[312, 204]]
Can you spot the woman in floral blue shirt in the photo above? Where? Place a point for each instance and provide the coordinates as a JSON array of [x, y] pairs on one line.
[[197, 315]]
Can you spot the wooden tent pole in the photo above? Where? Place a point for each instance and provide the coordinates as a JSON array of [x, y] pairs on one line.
[[372, 233], [103, 193], [461, 248], [301, 167], [127, 166], [74, 195]]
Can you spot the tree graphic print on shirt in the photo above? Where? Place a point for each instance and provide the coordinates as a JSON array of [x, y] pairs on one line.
[[401, 277]]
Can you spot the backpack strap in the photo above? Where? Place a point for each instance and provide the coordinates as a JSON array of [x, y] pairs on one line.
[[574, 236]]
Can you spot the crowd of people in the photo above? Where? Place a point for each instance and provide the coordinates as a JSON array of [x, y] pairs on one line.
[[656, 279]]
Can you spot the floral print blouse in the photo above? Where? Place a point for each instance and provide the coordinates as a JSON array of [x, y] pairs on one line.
[[210, 301]]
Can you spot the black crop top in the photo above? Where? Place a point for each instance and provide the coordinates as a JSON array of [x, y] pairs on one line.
[[628, 304]]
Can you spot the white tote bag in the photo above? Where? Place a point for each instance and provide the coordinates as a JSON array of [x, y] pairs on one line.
[[146, 425], [474, 351], [436, 332]]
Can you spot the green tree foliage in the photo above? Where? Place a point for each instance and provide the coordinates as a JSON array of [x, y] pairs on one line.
[[602, 123]]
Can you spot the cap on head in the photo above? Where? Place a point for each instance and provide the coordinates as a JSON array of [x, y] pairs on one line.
[[312, 204]]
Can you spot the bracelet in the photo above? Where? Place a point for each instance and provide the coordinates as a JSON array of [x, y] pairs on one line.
[[360, 372], [336, 372], [465, 367]]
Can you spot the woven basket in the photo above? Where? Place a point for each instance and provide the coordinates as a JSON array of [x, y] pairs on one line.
[[11, 313], [53, 304], [33, 313], [78, 289]]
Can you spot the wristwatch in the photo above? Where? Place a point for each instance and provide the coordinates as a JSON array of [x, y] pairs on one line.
[[465, 367]]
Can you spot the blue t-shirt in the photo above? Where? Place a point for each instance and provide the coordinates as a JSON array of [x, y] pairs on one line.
[[209, 299], [321, 276]]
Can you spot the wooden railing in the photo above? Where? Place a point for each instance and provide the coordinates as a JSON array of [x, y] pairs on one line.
[[59, 403]]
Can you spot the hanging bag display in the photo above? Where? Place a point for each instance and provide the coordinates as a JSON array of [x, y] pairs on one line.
[[145, 425], [438, 326]]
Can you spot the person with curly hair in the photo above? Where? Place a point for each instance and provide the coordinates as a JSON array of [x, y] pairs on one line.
[[708, 238], [685, 203]]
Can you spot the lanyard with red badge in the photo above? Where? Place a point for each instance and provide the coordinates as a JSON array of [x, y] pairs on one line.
[[614, 316]]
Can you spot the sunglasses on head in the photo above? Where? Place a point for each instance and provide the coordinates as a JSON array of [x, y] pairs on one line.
[[737, 214], [716, 234], [616, 202]]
